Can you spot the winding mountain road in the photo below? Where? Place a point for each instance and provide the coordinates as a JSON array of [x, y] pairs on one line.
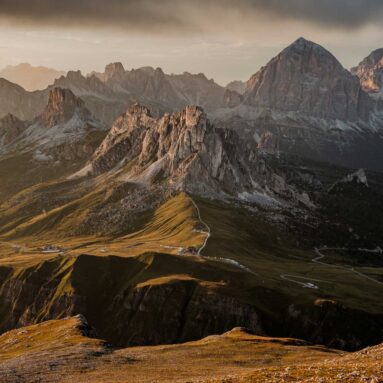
[[317, 259], [320, 256], [207, 233]]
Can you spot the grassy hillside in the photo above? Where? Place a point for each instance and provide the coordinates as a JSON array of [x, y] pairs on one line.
[[63, 351], [252, 273]]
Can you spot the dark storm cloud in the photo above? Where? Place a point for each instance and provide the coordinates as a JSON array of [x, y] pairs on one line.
[[343, 13], [190, 15]]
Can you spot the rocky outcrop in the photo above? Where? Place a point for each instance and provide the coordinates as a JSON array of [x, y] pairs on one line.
[[104, 103], [308, 79], [115, 71], [65, 131], [62, 106], [56, 143], [370, 72], [10, 129], [188, 152], [313, 107]]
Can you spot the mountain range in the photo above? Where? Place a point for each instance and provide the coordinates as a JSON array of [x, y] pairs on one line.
[[30, 77], [303, 101], [166, 208]]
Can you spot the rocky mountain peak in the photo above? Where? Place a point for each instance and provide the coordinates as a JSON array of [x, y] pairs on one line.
[[159, 72], [313, 54], [194, 115], [370, 72], [62, 106], [302, 42], [73, 76], [185, 151], [138, 109], [307, 79], [113, 70]]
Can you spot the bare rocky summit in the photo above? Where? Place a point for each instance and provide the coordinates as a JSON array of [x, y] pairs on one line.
[[370, 72], [60, 139], [189, 152], [311, 106], [308, 79], [62, 106]]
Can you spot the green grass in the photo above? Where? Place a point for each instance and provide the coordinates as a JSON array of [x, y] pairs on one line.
[[269, 251], [144, 256]]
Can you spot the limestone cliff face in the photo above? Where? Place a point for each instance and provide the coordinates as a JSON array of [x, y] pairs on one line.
[[308, 79], [10, 128], [62, 106], [188, 152], [114, 71], [65, 131], [370, 72]]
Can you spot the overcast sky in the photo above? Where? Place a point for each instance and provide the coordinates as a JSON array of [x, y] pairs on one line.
[[225, 39]]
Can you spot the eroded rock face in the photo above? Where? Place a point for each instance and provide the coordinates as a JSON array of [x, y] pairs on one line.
[[308, 79], [62, 106], [113, 70], [370, 72], [10, 128], [64, 132], [187, 151]]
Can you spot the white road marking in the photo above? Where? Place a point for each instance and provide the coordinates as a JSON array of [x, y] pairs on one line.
[[287, 277], [207, 233], [321, 256]]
